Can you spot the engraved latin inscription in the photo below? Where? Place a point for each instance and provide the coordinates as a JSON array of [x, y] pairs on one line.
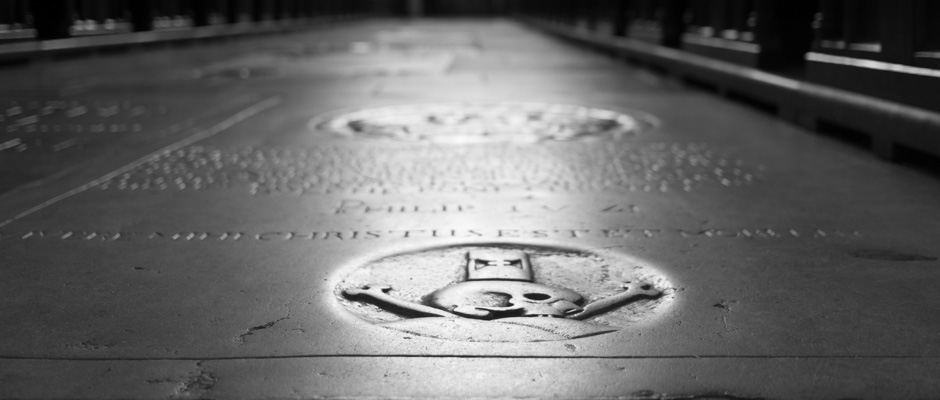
[[274, 236], [354, 206]]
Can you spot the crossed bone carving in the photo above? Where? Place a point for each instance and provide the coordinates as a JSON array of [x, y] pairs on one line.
[[379, 295], [632, 291]]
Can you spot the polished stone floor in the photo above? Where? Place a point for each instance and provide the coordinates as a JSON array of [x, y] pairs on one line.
[[444, 208]]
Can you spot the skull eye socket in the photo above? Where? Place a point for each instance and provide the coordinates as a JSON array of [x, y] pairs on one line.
[[536, 296], [492, 299]]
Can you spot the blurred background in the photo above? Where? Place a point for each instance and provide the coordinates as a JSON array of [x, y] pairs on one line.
[[884, 50]]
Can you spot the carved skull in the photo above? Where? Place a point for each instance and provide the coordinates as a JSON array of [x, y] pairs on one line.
[[490, 299]]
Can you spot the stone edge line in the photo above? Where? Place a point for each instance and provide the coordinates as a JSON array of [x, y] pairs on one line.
[[198, 136]]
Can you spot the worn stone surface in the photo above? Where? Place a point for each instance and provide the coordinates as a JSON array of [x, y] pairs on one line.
[[454, 377], [211, 261]]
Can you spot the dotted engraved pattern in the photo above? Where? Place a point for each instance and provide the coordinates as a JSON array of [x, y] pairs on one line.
[[56, 125], [572, 167]]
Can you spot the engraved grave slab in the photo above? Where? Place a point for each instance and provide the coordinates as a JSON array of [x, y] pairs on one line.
[[661, 245]]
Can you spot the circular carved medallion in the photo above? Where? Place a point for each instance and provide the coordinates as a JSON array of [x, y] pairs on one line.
[[482, 122], [504, 293]]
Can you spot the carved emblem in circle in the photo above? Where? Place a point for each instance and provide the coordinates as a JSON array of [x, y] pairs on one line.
[[504, 293], [472, 122]]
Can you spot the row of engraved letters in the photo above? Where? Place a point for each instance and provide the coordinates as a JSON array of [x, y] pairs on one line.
[[764, 233]]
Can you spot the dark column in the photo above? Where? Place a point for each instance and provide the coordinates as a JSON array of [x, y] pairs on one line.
[[672, 24], [829, 27], [200, 12], [571, 12], [899, 41], [257, 10], [52, 18], [926, 30], [232, 11], [277, 10], [784, 30], [621, 17], [293, 9], [7, 13], [589, 13], [141, 15]]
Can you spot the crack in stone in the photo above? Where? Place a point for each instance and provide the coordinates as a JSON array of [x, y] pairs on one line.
[[240, 339]]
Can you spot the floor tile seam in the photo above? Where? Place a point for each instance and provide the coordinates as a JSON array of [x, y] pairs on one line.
[[492, 357]]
